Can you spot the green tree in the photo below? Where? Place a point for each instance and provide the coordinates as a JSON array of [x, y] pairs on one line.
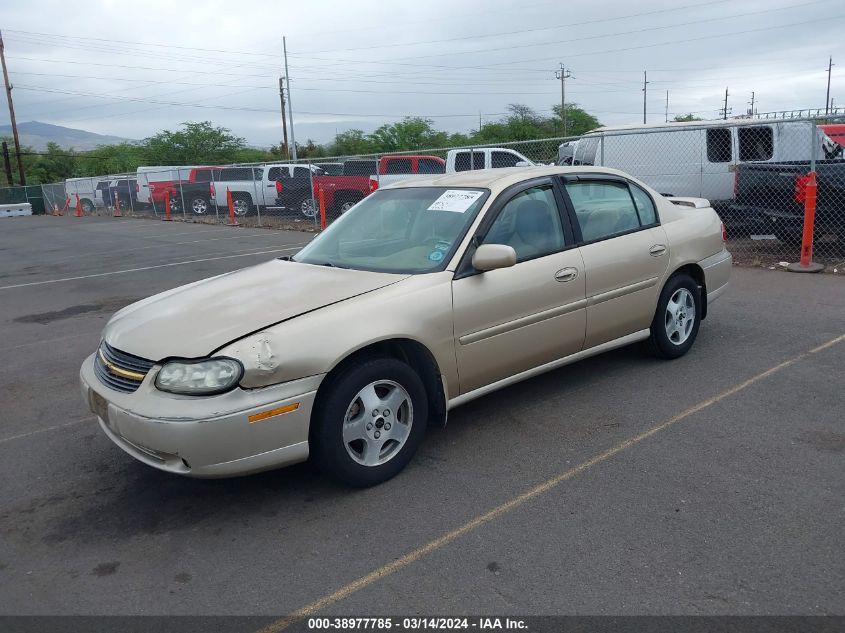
[[351, 143], [578, 120], [194, 144], [408, 134], [687, 117], [52, 165]]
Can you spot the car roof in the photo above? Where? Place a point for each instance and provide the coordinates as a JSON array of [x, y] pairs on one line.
[[673, 125], [498, 179]]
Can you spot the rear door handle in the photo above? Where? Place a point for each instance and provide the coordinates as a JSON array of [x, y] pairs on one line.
[[657, 250], [566, 274]]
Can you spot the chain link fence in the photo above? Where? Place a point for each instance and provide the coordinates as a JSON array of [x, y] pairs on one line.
[[755, 172]]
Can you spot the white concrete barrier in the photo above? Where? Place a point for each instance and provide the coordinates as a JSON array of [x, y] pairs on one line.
[[15, 210]]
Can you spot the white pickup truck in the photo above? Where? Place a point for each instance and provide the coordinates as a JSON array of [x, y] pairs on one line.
[[463, 160], [279, 185]]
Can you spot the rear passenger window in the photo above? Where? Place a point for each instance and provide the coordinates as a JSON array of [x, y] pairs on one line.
[[719, 145], [202, 175], [429, 166], [603, 209], [645, 205], [504, 159], [301, 172], [462, 160], [278, 173], [755, 143], [398, 166]]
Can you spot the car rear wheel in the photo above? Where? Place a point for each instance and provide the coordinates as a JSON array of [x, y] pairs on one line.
[[242, 206], [369, 422], [199, 205], [677, 319], [308, 208], [87, 205]]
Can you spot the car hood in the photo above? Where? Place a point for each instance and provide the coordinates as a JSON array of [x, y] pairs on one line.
[[193, 321]]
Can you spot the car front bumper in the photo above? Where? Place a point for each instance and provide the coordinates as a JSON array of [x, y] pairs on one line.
[[205, 436]]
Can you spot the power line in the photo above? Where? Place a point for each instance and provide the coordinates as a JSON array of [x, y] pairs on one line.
[[520, 31], [619, 33]]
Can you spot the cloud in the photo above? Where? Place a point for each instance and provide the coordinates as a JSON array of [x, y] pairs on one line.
[[131, 69]]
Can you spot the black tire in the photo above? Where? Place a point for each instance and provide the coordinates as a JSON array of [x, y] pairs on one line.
[[175, 205], [344, 202], [328, 449], [242, 205], [660, 343], [87, 205]]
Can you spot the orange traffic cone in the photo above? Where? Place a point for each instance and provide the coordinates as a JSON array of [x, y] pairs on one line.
[[166, 207], [117, 213], [78, 213], [232, 221]]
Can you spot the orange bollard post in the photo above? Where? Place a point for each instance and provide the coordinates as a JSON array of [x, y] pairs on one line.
[[78, 213], [322, 198], [806, 264], [166, 217], [117, 213], [232, 221]]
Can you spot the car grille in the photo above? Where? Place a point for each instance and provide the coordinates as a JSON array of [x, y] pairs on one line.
[[119, 370]]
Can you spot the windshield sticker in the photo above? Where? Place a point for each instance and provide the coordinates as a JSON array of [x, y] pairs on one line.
[[435, 256], [442, 246], [455, 200]]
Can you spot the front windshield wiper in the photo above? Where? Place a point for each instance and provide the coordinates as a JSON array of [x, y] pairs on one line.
[[332, 265]]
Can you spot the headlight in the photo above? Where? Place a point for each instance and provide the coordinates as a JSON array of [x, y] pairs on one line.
[[204, 377]]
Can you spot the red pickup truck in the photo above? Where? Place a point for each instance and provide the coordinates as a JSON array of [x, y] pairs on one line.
[[196, 192], [342, 192]]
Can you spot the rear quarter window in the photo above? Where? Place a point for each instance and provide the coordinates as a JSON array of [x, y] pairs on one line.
[[755, 143], [719, 149]]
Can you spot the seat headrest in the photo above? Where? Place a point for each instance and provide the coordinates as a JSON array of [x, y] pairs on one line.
[[533, 216]]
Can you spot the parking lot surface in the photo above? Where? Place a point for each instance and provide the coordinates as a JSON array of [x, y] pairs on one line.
[[712, 484]]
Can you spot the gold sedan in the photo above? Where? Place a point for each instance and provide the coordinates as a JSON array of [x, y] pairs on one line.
[[425, 295]]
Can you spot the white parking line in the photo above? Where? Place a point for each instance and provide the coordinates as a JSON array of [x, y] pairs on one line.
[[51, 340], [165, 245], [135, 270], [87, 418]]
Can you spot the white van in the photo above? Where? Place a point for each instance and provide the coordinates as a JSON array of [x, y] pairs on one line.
[[92, 192], [698, 158]]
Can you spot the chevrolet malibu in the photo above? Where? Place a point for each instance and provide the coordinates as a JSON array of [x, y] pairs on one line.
[[424, 296]]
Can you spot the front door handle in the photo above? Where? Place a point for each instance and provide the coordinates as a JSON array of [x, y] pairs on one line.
[[566, 274], [657, 250]]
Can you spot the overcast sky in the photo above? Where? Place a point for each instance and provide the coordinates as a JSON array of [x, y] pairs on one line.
[[133, 68]]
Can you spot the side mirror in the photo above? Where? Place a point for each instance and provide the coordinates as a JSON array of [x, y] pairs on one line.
[[493, 256]]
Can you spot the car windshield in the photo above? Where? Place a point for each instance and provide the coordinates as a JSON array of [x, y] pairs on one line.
[[408, 230]]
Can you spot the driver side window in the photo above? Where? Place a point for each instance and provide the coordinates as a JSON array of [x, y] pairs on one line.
[[530, 223]]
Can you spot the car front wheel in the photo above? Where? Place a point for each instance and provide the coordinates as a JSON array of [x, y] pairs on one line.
[[369, 422], [677, 318]]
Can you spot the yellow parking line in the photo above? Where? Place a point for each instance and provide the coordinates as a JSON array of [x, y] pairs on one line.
[[441, 541]]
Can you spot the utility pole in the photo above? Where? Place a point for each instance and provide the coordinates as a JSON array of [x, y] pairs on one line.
[[751, 111], [8, 164], [292, 152], [725, 111], [666, 119], [645, 83], [12, 111], [285, 150], [827, 97], [563, 75]]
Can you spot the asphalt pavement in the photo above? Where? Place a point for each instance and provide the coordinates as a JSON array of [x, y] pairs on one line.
[[713, 484]]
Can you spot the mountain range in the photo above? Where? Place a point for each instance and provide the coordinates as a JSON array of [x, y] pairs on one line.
[[36, 134]]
